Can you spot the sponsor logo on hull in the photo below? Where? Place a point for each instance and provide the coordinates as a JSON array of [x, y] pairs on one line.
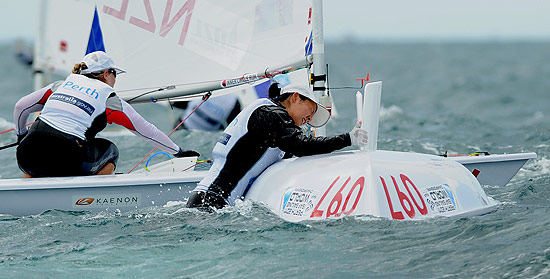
[[297, 201], [440, 198], [105, 201], [84, 201]]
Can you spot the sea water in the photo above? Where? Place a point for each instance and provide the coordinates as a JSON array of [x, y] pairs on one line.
[[437, 97]]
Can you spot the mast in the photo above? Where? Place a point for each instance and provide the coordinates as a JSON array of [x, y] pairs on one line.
[[318, 77], [38, 53]]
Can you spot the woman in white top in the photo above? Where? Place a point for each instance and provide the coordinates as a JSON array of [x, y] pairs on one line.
[[62, 140]]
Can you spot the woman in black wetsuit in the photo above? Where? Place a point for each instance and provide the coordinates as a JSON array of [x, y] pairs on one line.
[[262, 134]]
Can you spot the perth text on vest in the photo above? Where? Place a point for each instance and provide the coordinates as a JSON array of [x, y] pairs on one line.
[[85, 90]]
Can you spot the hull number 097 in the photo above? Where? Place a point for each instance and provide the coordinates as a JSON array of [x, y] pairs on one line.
[[408, 200], [338, 205]]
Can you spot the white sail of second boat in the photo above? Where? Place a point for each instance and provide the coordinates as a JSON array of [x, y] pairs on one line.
[[169, 43]]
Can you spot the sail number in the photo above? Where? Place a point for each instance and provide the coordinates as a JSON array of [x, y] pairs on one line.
[[406, 199], [337, 205], [151, 23]]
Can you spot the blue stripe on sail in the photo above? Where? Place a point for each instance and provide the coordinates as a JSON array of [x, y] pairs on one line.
[[309, 44], [282, 79], [262, 88], [95, 42]]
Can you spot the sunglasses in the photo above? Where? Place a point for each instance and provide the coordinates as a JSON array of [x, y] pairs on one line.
[[112, 71]]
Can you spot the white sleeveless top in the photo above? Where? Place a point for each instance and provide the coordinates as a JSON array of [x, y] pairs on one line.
[[235, 130], [75, 104]]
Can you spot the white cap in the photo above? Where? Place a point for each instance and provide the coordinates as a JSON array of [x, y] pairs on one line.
[[98, 61], [321, 116]]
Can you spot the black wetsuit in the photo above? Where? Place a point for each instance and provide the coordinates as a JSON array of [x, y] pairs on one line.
[[266, 133]]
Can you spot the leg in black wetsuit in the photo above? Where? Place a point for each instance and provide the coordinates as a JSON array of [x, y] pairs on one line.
[[205, 201]]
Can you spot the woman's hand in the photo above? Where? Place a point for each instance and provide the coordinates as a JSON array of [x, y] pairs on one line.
[[358, 136], [20, 137], [186, 153]]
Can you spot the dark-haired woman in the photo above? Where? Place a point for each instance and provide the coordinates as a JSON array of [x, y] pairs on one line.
[[62, 140], [261, 135]]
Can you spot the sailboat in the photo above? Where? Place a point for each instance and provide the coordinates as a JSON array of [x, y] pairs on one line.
[[185, 49]]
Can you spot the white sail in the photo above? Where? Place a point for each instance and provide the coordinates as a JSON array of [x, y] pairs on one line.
[[179, 42]]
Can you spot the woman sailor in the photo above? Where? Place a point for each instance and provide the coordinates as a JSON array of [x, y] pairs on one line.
[[262, 134], [62, 140]]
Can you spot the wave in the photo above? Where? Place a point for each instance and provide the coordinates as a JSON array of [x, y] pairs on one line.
[[390, 112], [535, 168], [5, 124]]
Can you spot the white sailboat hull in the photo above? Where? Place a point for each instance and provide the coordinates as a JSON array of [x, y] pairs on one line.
[[307, 189], [495, 170], [388, 184], [20, 197]]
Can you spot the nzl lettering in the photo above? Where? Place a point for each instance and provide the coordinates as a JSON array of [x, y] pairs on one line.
[[150, 24], [405, 199], [335, 207]]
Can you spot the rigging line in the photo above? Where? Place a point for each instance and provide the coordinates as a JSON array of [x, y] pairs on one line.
[[9, 130], [198, 163], [204, 99], [341, 87], [9, 145], [346, 87], [152, 91], [179, 84]]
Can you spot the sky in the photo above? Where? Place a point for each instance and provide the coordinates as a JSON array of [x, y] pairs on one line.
[[380, 19], [437, 19]]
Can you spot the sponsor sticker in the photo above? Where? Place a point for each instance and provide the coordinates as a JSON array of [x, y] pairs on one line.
[[224, 138], [104, 201], [440, 198], [83, 105], [84, 201], [297, 201]]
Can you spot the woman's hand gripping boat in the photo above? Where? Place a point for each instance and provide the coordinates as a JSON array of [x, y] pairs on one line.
[[390, 184]]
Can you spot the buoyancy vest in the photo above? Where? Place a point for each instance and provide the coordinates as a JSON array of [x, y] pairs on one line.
[[74, 105], [235, 131]]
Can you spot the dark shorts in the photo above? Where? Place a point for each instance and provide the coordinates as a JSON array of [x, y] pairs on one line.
[[47, 152]]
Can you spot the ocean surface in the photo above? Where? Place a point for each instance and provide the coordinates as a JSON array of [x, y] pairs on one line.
[[437, 97]]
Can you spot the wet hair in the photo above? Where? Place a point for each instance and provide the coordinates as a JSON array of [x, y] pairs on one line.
[[274, 93], [79, 67]]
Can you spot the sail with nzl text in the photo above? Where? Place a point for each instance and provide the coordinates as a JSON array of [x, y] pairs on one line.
[[165, 44]]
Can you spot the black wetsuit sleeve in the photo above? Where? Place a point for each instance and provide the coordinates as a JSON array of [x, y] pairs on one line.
[[274, 126]]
